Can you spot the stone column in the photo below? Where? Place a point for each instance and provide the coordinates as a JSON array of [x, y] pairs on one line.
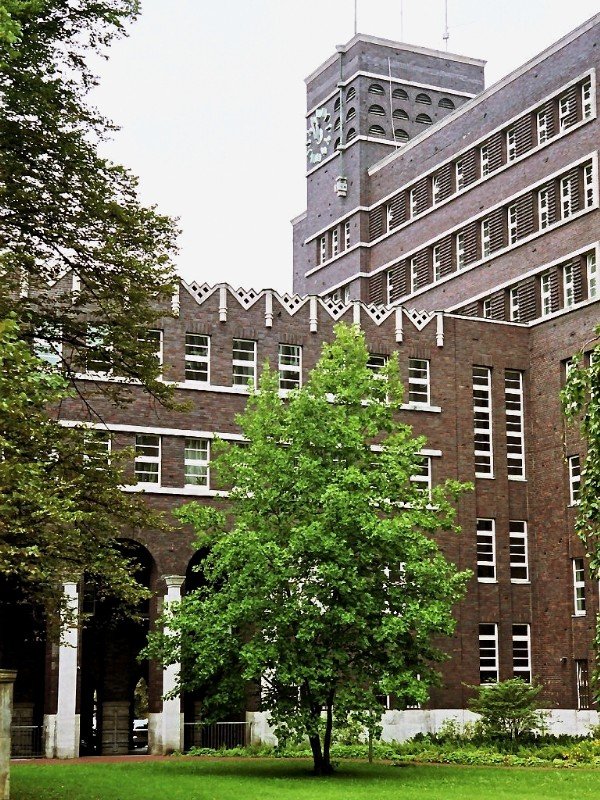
[[66, 735], [7, 679], [172, 718]]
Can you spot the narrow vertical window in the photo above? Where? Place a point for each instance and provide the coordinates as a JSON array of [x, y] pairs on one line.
[[592, 275], [546, 294], [521, 652], [515, 434], [412, 202], [197, 357], [244, 362], [582, 676], [569, 285], [335, 242], [586, 99], [564, 112], [486, 238], [147, 458], [418, 381], [460, 251], [544, 208], [97, 446], [566, 197], [543, 126], [519, 560], [487, 308], [511, 144], [484, 160], [290, 366], [435, 190], [486, 550], [389, 215], [346, 295], [346, 235], [588, 185], [389, 282], [155, 340], [436, 258], [574, 477], [579, 587], [322, 249], [414, 274], [459, 168], [196, 459], [98, 358], [422, 477], [50, 350], [515, 308], [482, 416], [488, 652], [513, 233]]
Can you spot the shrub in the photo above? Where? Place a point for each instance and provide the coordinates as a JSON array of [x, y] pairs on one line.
[[509, 709]]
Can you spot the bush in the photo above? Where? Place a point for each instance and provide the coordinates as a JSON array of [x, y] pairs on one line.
[[509, 709]]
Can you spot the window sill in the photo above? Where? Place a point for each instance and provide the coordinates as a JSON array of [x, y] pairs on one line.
[[186, 491], [421, 407], [516, 479], [487, 580], [481, 477], [573, 505], [579, 615], [520, 582]]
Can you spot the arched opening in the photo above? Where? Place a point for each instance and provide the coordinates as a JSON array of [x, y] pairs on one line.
[[375, 88], [445, 102], [351, 94], [400, 113], [376, 130], [400, 94], [424, 119], [378, 111], [401, 135], [351, 114], [423, 98]]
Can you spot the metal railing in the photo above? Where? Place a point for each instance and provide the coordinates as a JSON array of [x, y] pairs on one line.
[[219, 735], [26, 741]]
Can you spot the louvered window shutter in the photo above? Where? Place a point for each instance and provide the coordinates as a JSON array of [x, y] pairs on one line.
[[469, 167], [422, 195], [527, 304], [524, 216], [445, 179], [497, 304], [494, 144], [376, 289], [470, 233], [445, 256], [376, 223], [497, 235], [398, 206], [523, 134]]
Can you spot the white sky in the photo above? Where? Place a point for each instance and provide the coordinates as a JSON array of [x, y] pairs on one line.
[[210, 98]]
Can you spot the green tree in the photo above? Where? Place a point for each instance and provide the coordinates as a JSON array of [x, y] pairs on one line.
[[323, 579], [509, 709]]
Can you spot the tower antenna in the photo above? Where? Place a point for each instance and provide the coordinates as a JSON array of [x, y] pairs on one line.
[[355, 17], [446, 35]]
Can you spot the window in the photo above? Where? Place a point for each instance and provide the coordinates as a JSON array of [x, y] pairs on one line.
[[337, 104], [351, 93], [566, 197], [346, 235], [389, 285], [486, 550], [423, 119], [423, 98], [290, 366], [513, 233], [422, 477], [389, 215], [196, 458], [543, 126], [569, 285], [546, 294], [414, 274], [515, 439], [351, 134], [351, 113], [582, 677], [197, 357], [400, 94], [338, 124], [98, 354], [154, 339], [486, 238], [244, 362], [147, 458], [436, 257], [519, 561], [376, 362], [376, 130], [445, 102], [418, 381], [544, 208], [97, 447], [521, 645], [484, 160], [565, 108], [378, 111], [400, 135], [574, 479], [592, 274], [487, 308], [511, 144], [400, 113], [460, 250], [322, 249], [375, 88], [346, 294], [459, 169], [579, 587], [413, 203], [482, 417], [435, 189], [488, 652], [588, 185], [48, 350], [514, 307], [586, 99], [335, 242]]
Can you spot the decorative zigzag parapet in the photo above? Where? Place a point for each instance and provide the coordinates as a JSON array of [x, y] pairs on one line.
[[335, 309]]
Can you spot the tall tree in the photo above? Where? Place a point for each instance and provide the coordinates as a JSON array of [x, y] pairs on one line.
[[328, 588]]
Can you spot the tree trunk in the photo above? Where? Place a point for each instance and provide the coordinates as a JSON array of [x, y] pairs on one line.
[[326, 768], [315, 746]]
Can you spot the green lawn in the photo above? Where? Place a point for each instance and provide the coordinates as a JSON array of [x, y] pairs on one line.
[[273, 779]]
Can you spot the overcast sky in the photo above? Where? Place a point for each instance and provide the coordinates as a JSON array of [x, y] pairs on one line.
[[210, 97]]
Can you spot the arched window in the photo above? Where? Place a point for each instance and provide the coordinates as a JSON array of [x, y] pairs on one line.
[[375, 88], [351, 114], [400, 135], [423, 98], [351, 134], [351, 93], [337, 124], [445, 102], [336, 145], [424, 119], [399, 113], [377, 110], [376, 130], [400, 94], [336, 105]]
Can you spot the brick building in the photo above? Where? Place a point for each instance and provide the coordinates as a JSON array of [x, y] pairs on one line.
[[458, 226]]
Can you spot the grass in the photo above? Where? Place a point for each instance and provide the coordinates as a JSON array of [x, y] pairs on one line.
[[290, 779]]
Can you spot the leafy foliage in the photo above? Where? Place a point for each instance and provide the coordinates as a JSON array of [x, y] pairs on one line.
[[329, 586], [508, 708]]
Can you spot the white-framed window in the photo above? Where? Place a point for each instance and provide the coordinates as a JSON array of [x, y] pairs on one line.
[[486, 551], [147, 458], [515, 433], [459, 169], [546, 293], [376, 362], [335, 242], [543, 126], [569, 285], [487, 308], [322, 249], [521, 651], [588, 185], [414, 274], [488, 652], [582, 677], [515, 308], [579, 587], [98, 358], [97, 445], [460, 250], [484, 160], [389, 285], [566, 197], [412, 202], [389, 215], [346, 234], [565, 107], [154, 338], [244, 362], [290, 366], [436, 258], [346, 295], [592, 274], [511, 144], [482, 420], [422, 477], [586, 99], [518, 551], [48, 350], [513, 233], [574, 479], [196, 458], [419, 391], [544, 208], [486, 238], [436, 189], [197, 357]]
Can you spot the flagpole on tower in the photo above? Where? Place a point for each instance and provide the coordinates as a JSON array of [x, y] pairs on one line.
[[355, 17], [446, 35]]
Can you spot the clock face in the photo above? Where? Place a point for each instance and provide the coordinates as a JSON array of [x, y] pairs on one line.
[[318, 136]]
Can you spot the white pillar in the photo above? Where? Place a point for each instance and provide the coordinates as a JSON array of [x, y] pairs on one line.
[[172, 718], [66, 741]]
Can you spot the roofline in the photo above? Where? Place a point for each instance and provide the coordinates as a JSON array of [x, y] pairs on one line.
[[410, 48], [495, 87]]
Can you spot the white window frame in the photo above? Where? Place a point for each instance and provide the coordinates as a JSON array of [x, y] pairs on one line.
[[514, 305], [488, 656], [512, 221], [518, 549], [389, 286], [346, 295], [243, 363], [436, 258], [322, 249], [203, 478], [346, 235], [515, 425], [546, 294], [195, 360], [566, 198], [48, 350], [521, 654], [511, 144], [564, 111], [544, 208], [579, 594], [486, 550], [97, 437], [574, 463], [459, 171], [588, 185], [543, 127], [586, 99], [389, 215], [436, 189], [413, 273], [423, 478], [487, 308], [484, 160], [482, 419], [569, 285], [460, 251], [149, 335], [290, 372], [417, 384], [335, 242], [486, 238], [142, 458], [592, 274], [412, 203], [94, 337]]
